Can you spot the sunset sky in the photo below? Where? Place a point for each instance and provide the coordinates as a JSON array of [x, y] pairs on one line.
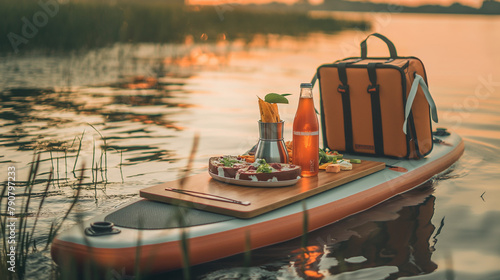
[[474, 3]]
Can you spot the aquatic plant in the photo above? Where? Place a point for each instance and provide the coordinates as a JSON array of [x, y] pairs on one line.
[[21, 242]]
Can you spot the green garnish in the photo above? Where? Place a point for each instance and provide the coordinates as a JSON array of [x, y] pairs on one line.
[[264, 167], [276, 98], [332, 158], [324, 157], [229, 162]]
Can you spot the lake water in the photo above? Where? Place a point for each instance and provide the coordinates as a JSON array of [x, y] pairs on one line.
[[149, 101]]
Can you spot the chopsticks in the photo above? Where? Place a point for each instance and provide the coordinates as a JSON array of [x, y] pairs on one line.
[[209, 196]]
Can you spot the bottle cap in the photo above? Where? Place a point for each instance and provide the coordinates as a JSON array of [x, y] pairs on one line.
[[306, 85]]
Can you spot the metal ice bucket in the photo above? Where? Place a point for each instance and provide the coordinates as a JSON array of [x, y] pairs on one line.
[[271, 146]]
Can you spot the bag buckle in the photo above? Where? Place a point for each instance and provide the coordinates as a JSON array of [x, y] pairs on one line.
[[373, 89], [343, 89]]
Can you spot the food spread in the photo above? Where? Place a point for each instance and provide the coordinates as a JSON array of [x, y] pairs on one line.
[[237, 167]]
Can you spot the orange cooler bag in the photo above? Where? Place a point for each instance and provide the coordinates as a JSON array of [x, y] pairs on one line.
[[376, 105]]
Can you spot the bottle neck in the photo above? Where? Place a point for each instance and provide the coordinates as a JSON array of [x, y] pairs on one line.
[[306, 93]]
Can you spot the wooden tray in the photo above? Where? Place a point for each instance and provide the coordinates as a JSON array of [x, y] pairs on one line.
[[262, 199]]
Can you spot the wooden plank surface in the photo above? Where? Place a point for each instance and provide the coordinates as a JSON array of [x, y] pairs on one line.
[[262, 199]]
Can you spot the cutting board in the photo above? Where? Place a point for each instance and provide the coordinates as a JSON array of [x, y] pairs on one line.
[[262, 199]]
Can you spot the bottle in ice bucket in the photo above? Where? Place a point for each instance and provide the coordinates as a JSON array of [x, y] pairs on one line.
[[306, 134]]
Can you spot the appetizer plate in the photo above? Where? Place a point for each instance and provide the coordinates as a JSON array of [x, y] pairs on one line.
[[259, 184]]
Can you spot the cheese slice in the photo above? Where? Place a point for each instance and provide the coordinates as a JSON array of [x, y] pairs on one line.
[[333, 168]]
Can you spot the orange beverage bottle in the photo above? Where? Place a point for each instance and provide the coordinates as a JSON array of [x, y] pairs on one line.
[[306, 134]]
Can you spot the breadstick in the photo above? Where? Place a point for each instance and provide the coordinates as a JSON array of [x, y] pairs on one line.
[[276, 112], [264, 111], [268, 111]]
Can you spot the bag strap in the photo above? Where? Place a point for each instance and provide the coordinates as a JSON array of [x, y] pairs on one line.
[[343, 89], [392, 49], [411, 97], [374, 92], [314, 79]]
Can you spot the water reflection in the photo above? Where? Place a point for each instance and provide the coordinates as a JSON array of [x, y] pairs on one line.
[[27, 112], [402, 242], [393, 237], [127, 92]]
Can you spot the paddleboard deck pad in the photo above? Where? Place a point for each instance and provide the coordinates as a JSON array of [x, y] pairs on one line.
[[148, 214], [151, 233]]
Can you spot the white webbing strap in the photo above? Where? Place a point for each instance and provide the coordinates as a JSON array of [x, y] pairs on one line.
[[411, 97]]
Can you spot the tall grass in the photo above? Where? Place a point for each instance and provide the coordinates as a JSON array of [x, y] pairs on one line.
[[82, 25], [186, 268], [25, 243], [78, 152], [105, 153]]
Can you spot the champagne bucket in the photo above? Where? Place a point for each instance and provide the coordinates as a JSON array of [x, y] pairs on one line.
[[271, 146]]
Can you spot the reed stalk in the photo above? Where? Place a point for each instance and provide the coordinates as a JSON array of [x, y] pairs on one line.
[[72, 143], [247, 256], [91, 268], [95, 185], [3, 227], [52, 164], [33, 169], [105, 151], [57, 165], [55, 229], [44, 195], [23, 241], [78, 152], [189, 166], [26, 244], [305, 225], [102, 170], [121, 164], [137, 265], [66, 165], [186, 272], [93, 160], [449, 272]]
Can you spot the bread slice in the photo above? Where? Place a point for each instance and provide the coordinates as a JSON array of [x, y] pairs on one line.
[[237, 168]]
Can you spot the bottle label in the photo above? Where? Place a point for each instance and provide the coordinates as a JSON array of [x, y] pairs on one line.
[[306, 133]]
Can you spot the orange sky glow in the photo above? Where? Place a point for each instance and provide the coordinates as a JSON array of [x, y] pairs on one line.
[[473, 3]]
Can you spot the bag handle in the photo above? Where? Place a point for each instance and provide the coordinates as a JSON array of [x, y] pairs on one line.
[[392, 49], [411, 97]]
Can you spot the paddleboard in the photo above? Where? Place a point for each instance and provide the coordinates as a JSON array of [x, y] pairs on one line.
[[149, 235]]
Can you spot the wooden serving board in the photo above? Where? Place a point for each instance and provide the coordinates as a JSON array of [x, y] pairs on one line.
[[262, 199]]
